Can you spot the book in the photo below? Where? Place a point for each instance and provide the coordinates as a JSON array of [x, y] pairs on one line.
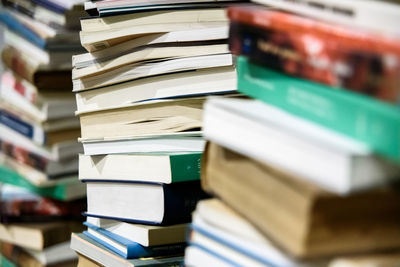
[[121, 7], [163, 168], [344, 60], [19, 205], [385, 13], [37, 236], [42, 164], [175, 85], [135, 71], [151, 53], [237, 243], [86, 262], [146, 235], [35, 73], [58, 152], [42, 133], [166, 143], [374, 123], [68, 18], [278, 138], [38, 33], [43, 106], [128, 249], [117, 29], [145, 118], [377, 259], [299, 223], [65, 190], [159, 204], [105, 257], [173, 38]]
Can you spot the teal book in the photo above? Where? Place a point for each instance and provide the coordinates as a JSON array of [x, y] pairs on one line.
[[4, 262], [64, 190], [367, 120], [165, 168]]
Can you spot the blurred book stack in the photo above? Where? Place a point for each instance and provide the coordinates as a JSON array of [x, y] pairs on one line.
[[306, 173], [140, 90], [41, 196]]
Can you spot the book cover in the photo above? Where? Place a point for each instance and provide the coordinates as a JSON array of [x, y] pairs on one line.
[[374, 123]]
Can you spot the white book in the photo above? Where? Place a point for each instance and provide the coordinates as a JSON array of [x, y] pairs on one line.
[[270, 135], [54, 254], [176, 142], [146, 69], [379, 16], [191, 83]]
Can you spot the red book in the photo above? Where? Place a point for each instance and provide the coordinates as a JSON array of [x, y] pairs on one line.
[[342, 57]]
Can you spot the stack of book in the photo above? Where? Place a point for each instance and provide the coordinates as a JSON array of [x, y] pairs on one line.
[[41, 197], [139, 92], [306, 174]]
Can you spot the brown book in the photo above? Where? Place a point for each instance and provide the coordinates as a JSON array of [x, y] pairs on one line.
[[146, 118], [42, 79], [300, 217], [86, 262], [38, 235]]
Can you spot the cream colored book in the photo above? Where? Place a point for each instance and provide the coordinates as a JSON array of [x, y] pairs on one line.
[[183, 84]]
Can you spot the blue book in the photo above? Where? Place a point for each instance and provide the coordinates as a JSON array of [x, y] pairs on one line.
[[19, 28], [129, 249]]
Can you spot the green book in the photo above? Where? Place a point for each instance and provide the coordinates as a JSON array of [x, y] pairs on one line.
[[4, 262], [370, 121], [64, 190], [163, 168]]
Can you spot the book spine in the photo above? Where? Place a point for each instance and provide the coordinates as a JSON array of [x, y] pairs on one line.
[[19, 28], [185, 167], [180, 200], [50, 5], [375, 123], [24, 156], [32, 132], [333, 64], [13, 60]]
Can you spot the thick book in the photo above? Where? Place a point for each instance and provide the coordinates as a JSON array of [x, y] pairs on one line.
[[349, 13], [43, 106], [103, 256], [298, 224], [146, 235], [42, 78], [38, 236], [128, 249], [145, 167], [100, 33], [372, 122], [268, 134], [191, 142], [144, 118], [344, 58], [159, 204], [65, 190], [203, 82], [42, 164]]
